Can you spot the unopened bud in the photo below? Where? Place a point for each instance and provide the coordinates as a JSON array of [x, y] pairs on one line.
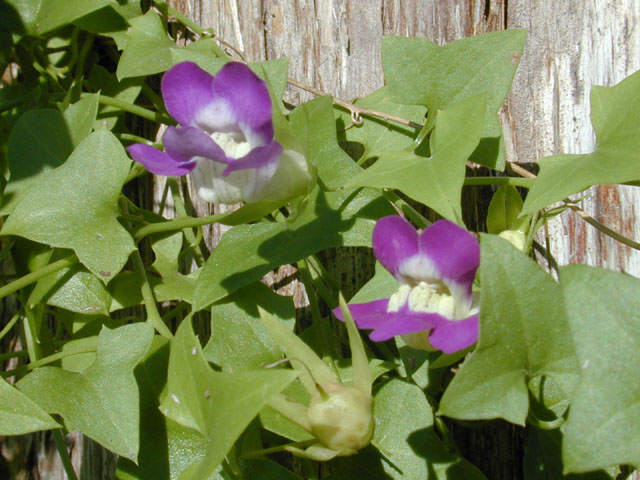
[[515, 238], [342, 418]]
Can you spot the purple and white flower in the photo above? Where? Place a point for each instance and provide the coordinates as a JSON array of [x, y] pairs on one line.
[[225, 139], [434, 306]]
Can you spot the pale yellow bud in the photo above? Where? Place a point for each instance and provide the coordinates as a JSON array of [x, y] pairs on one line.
[[343, 420]]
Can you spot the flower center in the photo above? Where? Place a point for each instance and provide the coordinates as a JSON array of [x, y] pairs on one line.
[[428, 298], [232, 147]]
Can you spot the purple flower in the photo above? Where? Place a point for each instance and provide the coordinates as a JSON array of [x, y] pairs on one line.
[[225, 139], [434, 306]]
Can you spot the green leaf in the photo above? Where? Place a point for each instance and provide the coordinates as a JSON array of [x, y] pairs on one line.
[[543, 458], [40, 142], [80, 117], [310, 367], [74, 289], [75, 206], [604, 314], [381, 136], [382, 285], [524, 333], [218, 406], [102, 401], [411, 448], [313, 125], [435, 181], [107, 83], [148, 49], [248, 252], [239, 339], [42, 16], [153, 457], [19, 414], [615, 115], [419, 72]]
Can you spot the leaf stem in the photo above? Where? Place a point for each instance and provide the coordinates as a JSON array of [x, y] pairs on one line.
[[182, 212], [43, 361], [64, 454], [32, 277], [153, 315], [135, 109], [177, 224], [515, 181], [9, 325], [405, 208]]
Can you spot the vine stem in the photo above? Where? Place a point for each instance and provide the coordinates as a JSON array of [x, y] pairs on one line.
[[515, 168], [32, 277], [153, 315], [64, 454], [354, 109]]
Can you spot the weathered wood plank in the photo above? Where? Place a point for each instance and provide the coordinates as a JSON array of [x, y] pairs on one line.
[[573, 45]]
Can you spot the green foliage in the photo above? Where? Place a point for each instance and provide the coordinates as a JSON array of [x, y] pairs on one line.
[[42, 16], [379, 136], [239, 339], [603, 311], [614, 114], [216, 406], [75, 206], [435, 181], [39, 142], [248, 252], [19, 414], [419, 72], [86, 400]]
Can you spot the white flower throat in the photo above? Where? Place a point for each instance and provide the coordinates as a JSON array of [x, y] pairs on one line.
[[232, 147], [429, 298]]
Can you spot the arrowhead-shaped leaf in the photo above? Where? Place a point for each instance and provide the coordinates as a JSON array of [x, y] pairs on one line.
[[216, 406], [435, 181], [524, 334], [75, 206], [419, 72], [247, 252], [615, 115], [102, 402], [19, 414]]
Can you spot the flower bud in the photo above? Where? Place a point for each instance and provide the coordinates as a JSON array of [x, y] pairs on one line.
[[515, 238], [341, 417]]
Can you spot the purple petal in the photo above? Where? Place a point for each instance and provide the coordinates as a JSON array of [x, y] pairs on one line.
[[366, 315], [404, 322], [159, 162], [451, 336], [248, 98], [187, 142], [394, 240], [259, 157], [186, 90], [453, 251]]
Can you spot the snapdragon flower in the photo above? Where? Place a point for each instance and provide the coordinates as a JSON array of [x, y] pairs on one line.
[[225, 139], [434, 306]]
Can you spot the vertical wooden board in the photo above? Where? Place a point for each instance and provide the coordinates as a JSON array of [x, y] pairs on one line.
[[571, 46]]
